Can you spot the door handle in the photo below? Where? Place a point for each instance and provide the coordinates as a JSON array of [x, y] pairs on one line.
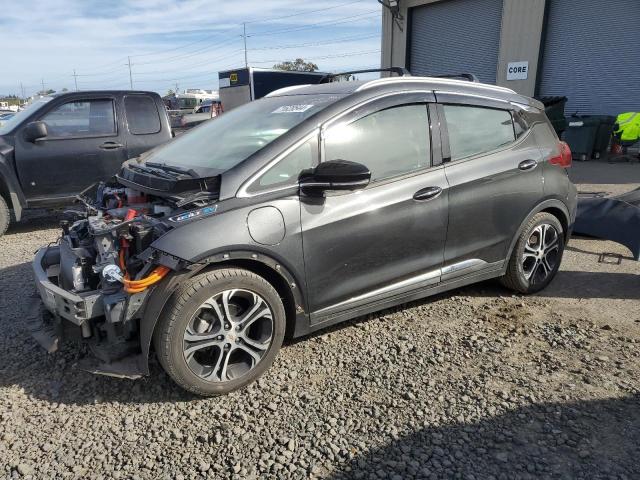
[[527, 165], [110, 146], [427, 193]]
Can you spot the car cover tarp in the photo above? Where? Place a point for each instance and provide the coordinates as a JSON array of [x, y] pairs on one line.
[[611, 218]]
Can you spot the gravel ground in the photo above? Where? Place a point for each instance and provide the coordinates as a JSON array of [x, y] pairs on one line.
[[472, 384]]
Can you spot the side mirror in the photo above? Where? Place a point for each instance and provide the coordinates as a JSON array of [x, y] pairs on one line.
[[335, 175], [35, 131]]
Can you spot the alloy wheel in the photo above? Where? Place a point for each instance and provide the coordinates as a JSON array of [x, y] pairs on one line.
[[541, 253], [228, 335]]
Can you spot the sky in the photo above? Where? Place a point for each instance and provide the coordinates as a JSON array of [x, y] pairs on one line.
[[175, 41]]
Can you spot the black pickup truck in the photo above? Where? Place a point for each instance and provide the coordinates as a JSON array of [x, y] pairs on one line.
[[61, 144]]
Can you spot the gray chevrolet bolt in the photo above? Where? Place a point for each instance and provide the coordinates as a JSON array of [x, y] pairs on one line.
[[309, 207]]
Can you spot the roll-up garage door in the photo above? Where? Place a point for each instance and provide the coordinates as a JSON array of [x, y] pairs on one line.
[[456, 36], [591, 55]]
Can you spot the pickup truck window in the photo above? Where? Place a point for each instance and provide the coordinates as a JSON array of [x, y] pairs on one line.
[[142, 114], [19, 117], [84, 118]]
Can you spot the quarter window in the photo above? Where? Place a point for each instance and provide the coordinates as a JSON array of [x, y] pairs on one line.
[[287, 171], [82, 118], [142, 114], [476, 130], [390, 142]]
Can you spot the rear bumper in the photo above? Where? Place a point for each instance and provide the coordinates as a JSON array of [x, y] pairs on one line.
[[77, 308]]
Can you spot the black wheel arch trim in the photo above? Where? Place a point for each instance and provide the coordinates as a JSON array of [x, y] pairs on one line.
[[159, 297], [542, 206], [10, 188]]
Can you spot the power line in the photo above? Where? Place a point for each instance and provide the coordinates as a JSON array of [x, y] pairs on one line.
[[306, 12], [317, 44], [324, 57], [349, 19]]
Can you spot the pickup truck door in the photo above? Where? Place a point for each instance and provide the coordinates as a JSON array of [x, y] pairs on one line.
[[85, 144]]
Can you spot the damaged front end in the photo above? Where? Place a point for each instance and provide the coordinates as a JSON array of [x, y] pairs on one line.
[[95, 282]]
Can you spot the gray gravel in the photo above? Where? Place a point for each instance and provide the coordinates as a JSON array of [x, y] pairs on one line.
[[474, 384]]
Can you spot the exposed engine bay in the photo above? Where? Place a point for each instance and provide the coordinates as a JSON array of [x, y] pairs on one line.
[[95, 281]]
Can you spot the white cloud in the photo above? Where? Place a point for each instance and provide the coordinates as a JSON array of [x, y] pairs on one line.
[[187, 41]]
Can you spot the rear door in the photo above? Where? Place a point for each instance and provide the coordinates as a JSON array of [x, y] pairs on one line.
[[495, 179], [85, 145], [387, 239]]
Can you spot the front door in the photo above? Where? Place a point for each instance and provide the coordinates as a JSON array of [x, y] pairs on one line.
[[363, 246], [84, 145]]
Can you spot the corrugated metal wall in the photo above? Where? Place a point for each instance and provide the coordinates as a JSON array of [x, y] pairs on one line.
[[592, 55], [454, 36]]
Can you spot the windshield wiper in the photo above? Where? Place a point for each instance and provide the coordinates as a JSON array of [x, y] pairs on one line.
[[172, 168], [197, 197], [152, 171]]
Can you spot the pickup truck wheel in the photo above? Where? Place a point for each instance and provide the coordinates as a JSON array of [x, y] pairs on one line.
[[5, 216], [536, 258], [220, 331]]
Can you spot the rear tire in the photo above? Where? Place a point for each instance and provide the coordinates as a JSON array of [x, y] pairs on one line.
[[537, 255], [220, 331], [5, 216]]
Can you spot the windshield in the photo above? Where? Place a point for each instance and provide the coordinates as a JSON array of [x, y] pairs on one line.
[[17, 119], [225, 141]]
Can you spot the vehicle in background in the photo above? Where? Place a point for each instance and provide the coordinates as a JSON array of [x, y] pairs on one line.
[[306, 208], [205, 111], [61, 144], [244, 85], [5, 116], [189, 100]]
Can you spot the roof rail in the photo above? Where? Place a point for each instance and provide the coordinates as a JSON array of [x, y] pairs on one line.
[[402, 72], [467, 76]]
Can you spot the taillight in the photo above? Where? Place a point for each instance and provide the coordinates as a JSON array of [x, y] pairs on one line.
[[564, 159]]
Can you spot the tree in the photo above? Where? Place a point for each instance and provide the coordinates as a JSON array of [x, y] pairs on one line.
[[298, 65], [170, 92], [65, 89]]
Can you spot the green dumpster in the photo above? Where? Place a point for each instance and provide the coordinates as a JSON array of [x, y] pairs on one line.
[[588, 135]]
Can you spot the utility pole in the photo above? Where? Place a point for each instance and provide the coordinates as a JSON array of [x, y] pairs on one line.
[[75, 78], [22, 90], [130, 76], [244, 36], [176, 90], [43, 85]]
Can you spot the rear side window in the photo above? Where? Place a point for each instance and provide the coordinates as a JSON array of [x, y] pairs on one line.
[[83, 118], [390, 142], [476, 130], [142, 114]]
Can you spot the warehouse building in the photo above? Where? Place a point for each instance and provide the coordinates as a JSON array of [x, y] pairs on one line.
[[586, 50]]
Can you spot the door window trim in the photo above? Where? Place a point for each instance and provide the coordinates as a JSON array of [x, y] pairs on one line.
[[78, 137]]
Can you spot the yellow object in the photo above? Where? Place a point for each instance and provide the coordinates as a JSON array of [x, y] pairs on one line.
[[628, 126]]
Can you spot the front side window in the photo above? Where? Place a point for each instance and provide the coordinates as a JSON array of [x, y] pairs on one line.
[[390, 142], [142, 114], [287, 171], [84, 118], [477, 130]]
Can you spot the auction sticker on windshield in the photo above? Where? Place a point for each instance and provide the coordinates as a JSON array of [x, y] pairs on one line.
[[292, 109]]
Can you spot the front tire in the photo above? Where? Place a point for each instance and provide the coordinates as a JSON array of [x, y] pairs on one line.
[[536, 258], [220, 331], [5, 216]]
